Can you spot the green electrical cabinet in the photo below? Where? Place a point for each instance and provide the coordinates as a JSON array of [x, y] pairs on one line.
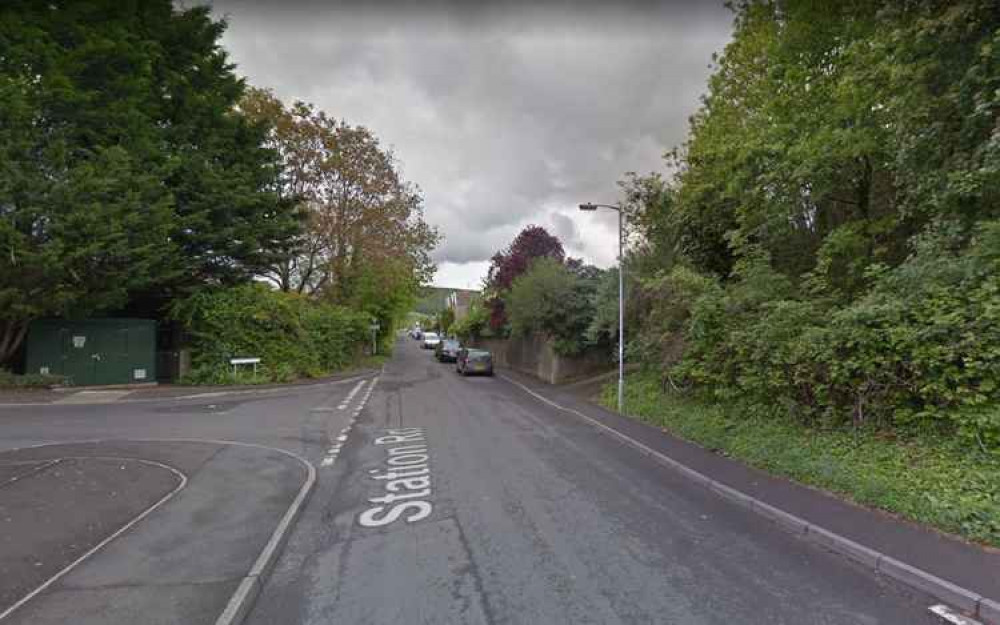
[[94, 351]]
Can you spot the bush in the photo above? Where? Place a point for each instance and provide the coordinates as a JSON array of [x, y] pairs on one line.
[[551, 299], [921, 348], [30, 380], [291, 334], [926, 478]]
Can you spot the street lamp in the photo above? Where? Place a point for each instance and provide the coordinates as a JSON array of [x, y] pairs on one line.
[[621, 299]]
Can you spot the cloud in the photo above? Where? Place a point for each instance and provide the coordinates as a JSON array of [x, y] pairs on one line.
[[505, 113]]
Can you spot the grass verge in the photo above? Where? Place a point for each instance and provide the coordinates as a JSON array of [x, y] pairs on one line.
[[921, 477]]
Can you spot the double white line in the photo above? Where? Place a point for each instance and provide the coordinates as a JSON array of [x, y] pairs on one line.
[[336, 444]]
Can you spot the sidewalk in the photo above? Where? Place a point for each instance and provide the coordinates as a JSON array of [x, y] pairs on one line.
[[156, 392], [973, 567]]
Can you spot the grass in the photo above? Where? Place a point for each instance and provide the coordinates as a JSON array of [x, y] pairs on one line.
[[9, 381], [925, 478]]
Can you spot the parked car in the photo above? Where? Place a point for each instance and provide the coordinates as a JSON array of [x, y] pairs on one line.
[[447, 350], [431, 340], [471, 361]]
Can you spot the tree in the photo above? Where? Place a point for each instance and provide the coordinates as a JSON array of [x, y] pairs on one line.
[[127, 173], [531, 243], [445, 320], [475, 324], [553, 299], [822, 242], [359, 210]]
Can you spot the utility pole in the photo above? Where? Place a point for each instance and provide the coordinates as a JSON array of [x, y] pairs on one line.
[[621, 297]]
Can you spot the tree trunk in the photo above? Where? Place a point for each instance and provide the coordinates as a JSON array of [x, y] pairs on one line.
[[12, 334]]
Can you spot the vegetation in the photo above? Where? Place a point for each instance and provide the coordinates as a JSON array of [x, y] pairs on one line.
[[138, 170], [506, 265], [445, 320], [127, 171], [475, 324], [293, 335], [10, 380], [365, 242], [945, 486], [433, 299], [554, 299], [830, 242], [532, 288]]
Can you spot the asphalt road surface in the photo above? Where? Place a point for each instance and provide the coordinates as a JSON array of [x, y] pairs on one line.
[[439, 499], [465, 500]]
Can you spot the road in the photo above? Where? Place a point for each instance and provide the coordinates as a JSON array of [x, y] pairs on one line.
[[535, 517], [438, 499]]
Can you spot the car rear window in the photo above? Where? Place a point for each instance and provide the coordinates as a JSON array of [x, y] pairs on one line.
[[430, 335]]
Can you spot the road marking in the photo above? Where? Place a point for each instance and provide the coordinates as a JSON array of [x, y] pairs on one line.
[[408, 475], [337, 442], [31, 471], [242, 599], [121, 530], [350, 396], [950, 615], [93, 397], [757, 505]]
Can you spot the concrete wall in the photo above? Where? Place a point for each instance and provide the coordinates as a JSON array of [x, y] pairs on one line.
[[535, 356]]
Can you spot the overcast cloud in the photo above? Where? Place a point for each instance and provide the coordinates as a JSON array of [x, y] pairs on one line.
[[507, 114]]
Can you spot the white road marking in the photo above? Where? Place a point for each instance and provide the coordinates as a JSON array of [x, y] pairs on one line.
[[408, 475], [951, 615], [350, 396], [339, 441], [250, 584], [121, 530]]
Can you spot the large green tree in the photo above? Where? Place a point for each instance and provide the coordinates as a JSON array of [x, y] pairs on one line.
[[829, 238], [125, 170]]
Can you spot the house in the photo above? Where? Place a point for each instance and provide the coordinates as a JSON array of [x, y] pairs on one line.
[[459, 301]]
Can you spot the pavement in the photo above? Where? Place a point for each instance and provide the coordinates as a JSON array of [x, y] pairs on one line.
[[157, 392], [435, 499]]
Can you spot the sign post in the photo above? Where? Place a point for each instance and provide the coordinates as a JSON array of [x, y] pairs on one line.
[[374, 327]]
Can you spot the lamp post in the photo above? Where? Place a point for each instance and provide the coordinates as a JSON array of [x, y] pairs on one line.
[[621, 299]]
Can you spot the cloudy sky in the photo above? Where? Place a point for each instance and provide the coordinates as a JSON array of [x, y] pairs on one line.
[[504, 113]]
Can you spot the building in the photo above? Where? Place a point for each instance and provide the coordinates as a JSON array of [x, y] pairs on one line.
[[459, 301]]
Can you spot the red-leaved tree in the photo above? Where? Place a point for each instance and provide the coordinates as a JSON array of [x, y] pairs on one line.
[[532, 242]]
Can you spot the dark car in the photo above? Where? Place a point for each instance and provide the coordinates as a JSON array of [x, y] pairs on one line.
[[447, 350], [472, 361]]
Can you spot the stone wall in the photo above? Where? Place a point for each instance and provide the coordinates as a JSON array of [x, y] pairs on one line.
[[536, 356]]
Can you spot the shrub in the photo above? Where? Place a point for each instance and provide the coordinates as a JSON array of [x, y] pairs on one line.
[[921, 348], [551, 299], [30, 380], [291, 334]]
